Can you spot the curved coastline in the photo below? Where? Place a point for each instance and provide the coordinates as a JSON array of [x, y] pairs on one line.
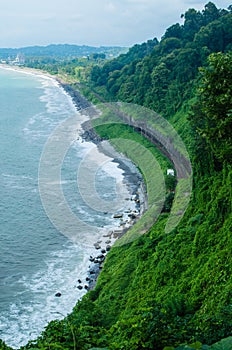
[[138, 192]]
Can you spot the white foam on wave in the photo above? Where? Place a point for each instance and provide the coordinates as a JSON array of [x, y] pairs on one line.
[[13, 176], [56, 99], [105, 162], [58, 106], [38, 126], [37, 305], [18, 181], [25, 320]]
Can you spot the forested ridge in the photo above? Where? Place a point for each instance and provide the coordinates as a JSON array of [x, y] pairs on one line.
[[60, 51], [167, 290], [161, 75]]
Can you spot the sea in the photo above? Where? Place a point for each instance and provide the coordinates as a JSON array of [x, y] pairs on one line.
[[44, 180]]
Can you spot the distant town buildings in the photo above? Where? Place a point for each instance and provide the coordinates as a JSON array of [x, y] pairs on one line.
[[19, 60]]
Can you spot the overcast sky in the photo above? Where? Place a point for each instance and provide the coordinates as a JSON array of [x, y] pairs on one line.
[[90, 22]]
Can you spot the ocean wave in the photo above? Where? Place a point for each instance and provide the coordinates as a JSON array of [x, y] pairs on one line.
[[19, 182], [56, 99], [61, 268], [24, 320]]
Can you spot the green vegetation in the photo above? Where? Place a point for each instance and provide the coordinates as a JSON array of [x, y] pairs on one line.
[[162, 75], [153, 166], [63, 59], [167, 290], [62, 51], [213, 112]]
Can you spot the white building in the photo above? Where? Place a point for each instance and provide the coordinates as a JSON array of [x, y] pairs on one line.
[[19, 60], [171, 172]]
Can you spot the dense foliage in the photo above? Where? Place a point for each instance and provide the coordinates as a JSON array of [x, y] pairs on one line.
[[60, 59], [161, 75], [166, 290], [212, 114]]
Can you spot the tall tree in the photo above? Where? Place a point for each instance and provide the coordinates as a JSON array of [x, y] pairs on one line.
[[213, 112]]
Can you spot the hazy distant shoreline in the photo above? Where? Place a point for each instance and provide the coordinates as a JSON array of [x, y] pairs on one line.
[[27, 70]]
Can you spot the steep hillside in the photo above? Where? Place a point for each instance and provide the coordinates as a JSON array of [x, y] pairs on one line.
[[163, 289], [163, 78]]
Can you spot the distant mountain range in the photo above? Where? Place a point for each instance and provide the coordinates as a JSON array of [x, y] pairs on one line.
[[61, 50]]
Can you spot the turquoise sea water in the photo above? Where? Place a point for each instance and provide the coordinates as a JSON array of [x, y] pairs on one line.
[[36, 259]]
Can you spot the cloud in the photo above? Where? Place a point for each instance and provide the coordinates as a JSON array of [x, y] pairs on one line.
[[110, 7], [196, 3], [103, 22]]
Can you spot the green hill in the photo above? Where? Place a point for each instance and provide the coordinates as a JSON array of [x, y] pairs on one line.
[[167, 290], [59, 51]]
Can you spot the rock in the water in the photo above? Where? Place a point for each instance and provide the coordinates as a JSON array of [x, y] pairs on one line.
[[79, 281], [58, 295], [123, 223], [100, 256], [118, 216], [108, 247], [97, 246], [117, 233], [80, 287], [132, 216]]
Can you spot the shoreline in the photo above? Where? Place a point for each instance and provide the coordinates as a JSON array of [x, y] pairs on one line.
[[133, 179], [27, 70]]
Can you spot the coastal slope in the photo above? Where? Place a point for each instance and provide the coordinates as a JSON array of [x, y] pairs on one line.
[[168, 290]]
